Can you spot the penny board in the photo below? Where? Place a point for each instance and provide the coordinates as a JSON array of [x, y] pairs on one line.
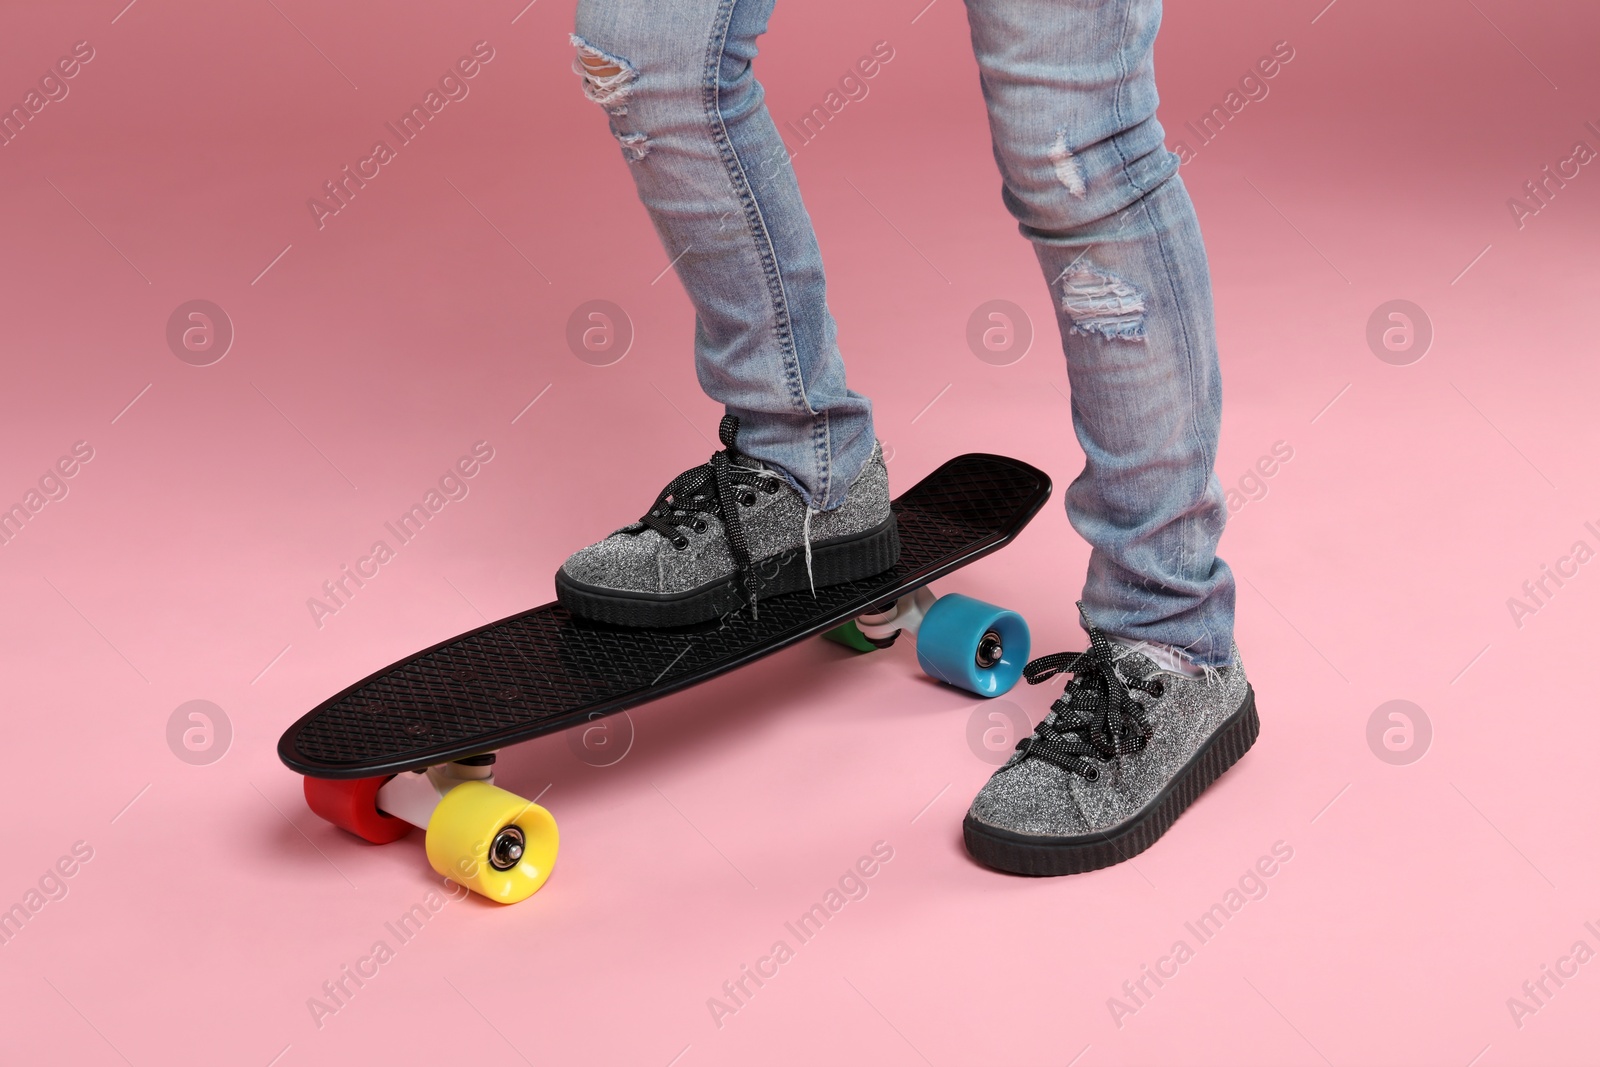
[[544, 669]]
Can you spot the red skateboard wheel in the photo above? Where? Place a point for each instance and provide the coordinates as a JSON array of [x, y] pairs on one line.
[[353, 805]]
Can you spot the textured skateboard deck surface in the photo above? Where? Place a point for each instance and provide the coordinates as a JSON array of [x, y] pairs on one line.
[[543, 669]]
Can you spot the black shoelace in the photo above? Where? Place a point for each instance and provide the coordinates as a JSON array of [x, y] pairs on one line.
[[1101, 721], [715, 488]]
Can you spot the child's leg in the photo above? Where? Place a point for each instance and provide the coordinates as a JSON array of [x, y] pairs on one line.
[[1070, 88], [713, 173], [801, 470], [1132, 741]]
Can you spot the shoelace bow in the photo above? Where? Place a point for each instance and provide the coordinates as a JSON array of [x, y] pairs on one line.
[[1101, 721], [717, 488]]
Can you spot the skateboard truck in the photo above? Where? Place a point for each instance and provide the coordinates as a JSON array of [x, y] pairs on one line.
[[903, 615], [414, 795]]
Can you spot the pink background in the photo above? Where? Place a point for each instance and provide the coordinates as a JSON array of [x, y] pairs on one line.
[[371, 354]]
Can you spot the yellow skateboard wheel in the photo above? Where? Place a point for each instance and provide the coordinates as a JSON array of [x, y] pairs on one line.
[[491, 841]]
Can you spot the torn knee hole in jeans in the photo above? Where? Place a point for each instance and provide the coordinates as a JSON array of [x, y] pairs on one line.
[[607, 79], [1101, 304]]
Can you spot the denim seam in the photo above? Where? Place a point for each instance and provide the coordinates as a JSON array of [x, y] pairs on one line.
[[820, 435], [1194, 420], [1125, 169], [711, 92], [1169, 267]]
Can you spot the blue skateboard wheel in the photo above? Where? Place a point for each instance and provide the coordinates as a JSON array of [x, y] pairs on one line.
[[972, 645]]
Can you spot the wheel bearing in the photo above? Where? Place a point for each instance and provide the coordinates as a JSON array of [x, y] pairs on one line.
[[506, 850], [990, 650]]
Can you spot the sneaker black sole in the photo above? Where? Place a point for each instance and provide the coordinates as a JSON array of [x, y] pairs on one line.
[[1041, 856], [833, 562]]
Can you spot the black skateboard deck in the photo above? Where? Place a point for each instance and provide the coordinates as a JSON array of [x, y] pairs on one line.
[[544, 669]]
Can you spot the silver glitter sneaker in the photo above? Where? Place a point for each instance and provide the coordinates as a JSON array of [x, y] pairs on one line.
[[725, 535], [1127, 747]]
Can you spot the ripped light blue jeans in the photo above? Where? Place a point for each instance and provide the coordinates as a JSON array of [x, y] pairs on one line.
[[1071, 95]]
